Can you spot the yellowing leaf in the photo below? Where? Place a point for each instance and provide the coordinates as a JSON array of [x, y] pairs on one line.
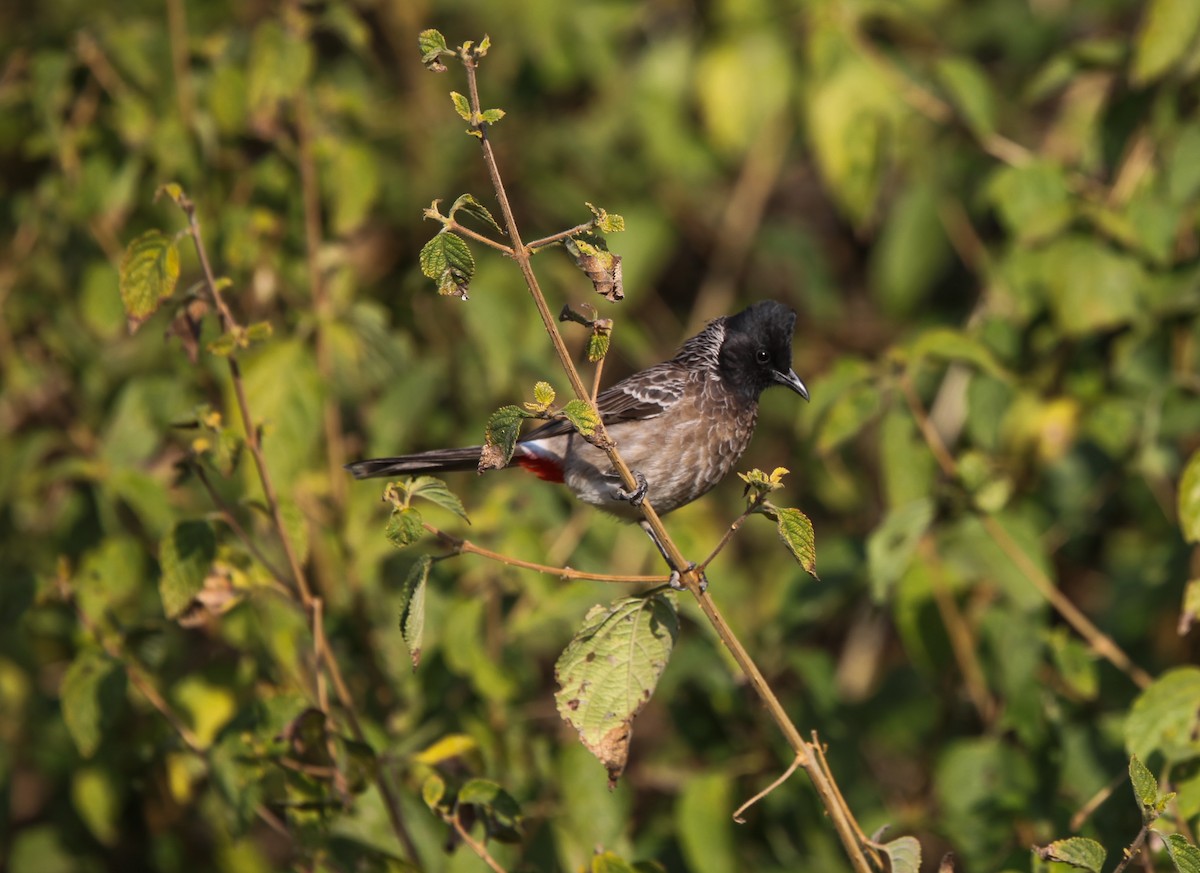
[[582, 416], [149, 271]]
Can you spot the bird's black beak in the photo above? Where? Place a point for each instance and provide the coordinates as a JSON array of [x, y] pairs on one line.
[[791, 380]]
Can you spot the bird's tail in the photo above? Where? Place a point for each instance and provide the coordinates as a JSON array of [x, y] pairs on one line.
[[435, 461]]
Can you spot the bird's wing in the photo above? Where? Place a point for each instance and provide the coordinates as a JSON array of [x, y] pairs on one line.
[[645, 394]]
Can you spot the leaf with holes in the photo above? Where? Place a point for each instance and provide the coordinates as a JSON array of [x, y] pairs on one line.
[[610, 669], [500, 437], [447, 260], [148, 273], [412, 608]]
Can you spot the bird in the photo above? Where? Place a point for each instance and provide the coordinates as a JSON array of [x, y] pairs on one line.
[[680, 425]]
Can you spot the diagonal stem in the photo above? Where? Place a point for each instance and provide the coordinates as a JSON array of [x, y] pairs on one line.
[[843, 819]]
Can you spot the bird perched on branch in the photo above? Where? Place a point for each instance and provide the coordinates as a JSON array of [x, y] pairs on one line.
[[680, 425]]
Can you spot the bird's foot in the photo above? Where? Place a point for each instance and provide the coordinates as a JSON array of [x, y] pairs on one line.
[[677, 583], [637, 495]]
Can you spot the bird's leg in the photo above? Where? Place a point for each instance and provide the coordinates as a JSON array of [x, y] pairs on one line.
[[637, 495], [675, 581]]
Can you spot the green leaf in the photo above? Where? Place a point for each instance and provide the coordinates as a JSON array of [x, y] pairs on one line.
[[403, 527], [97, 797], [1184, 855], [704, 823], [295, 525], [281, 60], [259, 331], [447, 260], [433, 789], [186, 555], [890, 546], [472, 207], [951, 345], [971, 92], [597, 346], [582, 415], [432, 46], [904, 853], [461, 105], [1189, 499], [412, 608], [1145, 789], [491, 116], [1168, 29], [211, 706], [1032, 200], [609, 671], [1190, 609], [606, 222], [91, 689], [435, 491], [149, 271], [847, 415], [500, 437], [610, 862], [501, 812], [1091, 288], [912, 251], [796, 532], [1079, 852], [1076, 664], [543, 394], [1164, 717]]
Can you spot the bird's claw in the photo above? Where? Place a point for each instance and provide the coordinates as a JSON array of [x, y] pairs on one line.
[[677, 583], [638, 494]]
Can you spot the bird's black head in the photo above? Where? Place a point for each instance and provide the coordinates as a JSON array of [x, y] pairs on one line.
[[756, 352]]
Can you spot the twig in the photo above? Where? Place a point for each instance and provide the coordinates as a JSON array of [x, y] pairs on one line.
[[560, 236], [1085, 811], [254, 443], [478, 237], [959, 634], [113, 649], [728, 535], [783, 777], [230, 519], [460, 545], [473, 844], [1100, 642], [177, 30], [1134, 848], [842, 818], [311, 195]]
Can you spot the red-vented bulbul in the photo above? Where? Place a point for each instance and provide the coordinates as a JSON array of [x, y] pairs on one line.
[[680, 425]]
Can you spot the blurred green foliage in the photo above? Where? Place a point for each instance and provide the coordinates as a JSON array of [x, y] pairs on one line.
[[987, 209]]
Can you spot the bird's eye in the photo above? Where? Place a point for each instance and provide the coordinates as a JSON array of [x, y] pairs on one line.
[[764, 356]]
